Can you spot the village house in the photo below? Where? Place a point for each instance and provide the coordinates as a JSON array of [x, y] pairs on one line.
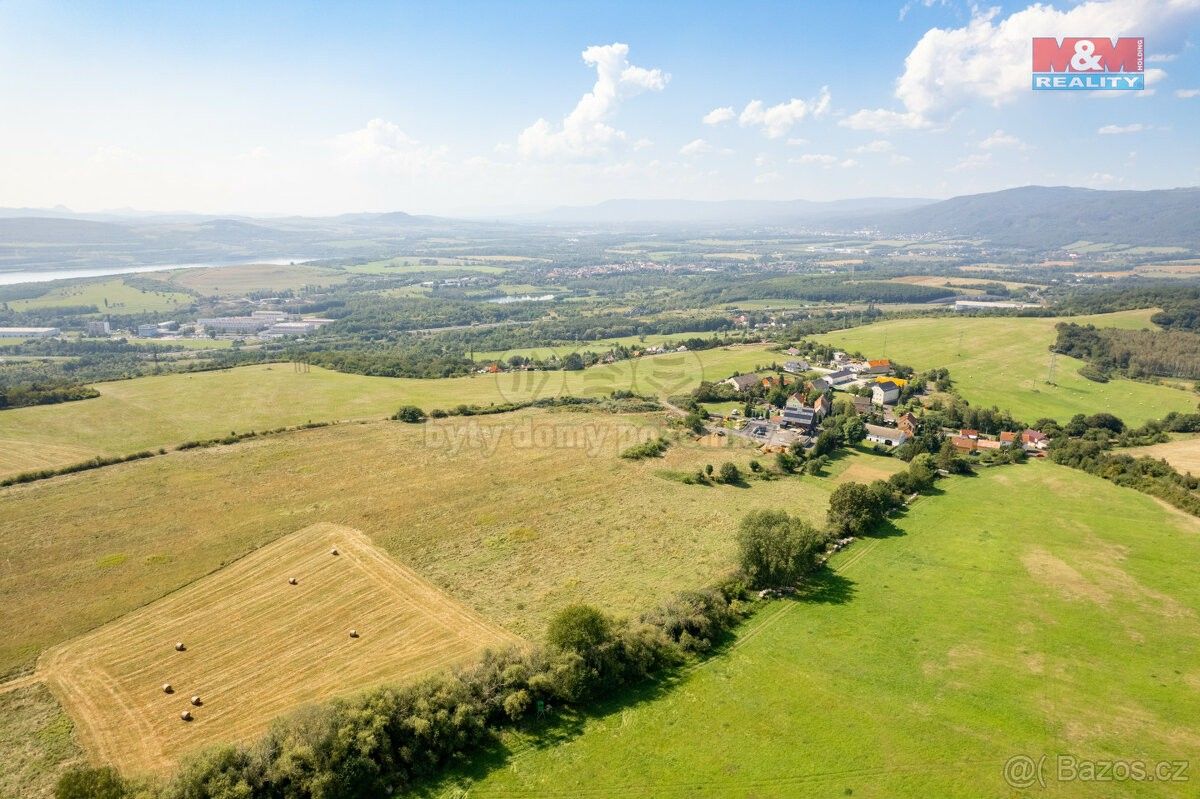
[[963, 443], [1008, 438], [795, 367], [907, 422], [891, 436], [794, 400], [1035, 439], [742, 382], [968, 433], [821, 384], [885, 393], [822, 406], [862, 405], [839, 377], [792, 351], [878, 367]]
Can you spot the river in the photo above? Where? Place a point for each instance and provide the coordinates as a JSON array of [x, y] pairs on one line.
[[46, 275]]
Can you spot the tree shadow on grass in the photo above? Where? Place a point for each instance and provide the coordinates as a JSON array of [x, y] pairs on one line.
[[826, 587], [560, 725]]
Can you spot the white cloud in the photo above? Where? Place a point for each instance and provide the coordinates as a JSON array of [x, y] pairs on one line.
[[814, 158], [1114, 130], [1187, 93], [900, 160], [881, 120], [696, 147], [848, 163], [797, 142], [911, 4], [1161, 58], [1001, 140], [776, 120], [988, 59], [973, 161], [719, 115], [586, 132], [382, 145], [877, 146]]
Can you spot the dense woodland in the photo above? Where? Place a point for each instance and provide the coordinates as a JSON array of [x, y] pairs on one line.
[[1133, 353]]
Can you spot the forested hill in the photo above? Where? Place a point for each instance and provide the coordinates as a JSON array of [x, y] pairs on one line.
[[1048, 217]]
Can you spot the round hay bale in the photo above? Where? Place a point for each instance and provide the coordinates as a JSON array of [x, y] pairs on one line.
[[196, 701], [186, 715], [167, 689], [292, 581], [333, 551], [354, 633], [179, 647]]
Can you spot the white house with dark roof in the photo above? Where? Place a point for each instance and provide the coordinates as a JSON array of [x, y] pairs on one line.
[[885, 393]]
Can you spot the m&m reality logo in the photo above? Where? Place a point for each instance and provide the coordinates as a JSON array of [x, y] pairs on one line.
[[1089, 63]]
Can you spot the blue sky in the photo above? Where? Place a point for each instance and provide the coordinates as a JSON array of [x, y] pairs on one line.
[[497, 107]]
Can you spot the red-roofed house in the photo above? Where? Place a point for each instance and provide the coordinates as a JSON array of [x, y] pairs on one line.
[[1008, 438], [1035, 439]]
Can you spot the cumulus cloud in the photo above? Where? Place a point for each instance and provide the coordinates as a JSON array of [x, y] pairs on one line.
[[775, 121], [877, 146], [881, 120], [719, 115], [1187, 93], [1115, 130], [696, 147], [822, 159], [1000, 140], [988, 59], [586, 132], [383, 145]]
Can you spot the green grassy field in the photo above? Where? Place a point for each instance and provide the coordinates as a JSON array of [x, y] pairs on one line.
[[1005, 362], [472, 504], [131, 415], [36, 742], [110, 295], [234, 281], [983, 626]]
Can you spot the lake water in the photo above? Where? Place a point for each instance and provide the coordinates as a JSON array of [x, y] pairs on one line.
[[46, 275]]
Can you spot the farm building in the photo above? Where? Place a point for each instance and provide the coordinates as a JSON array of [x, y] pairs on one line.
[[862, 405], [795, 367], [891, 436], [1008, 438], [803, 418], [839, 377], [878, 367], [235, 324], [885, 393], [742, 382], [820, 384], [907, 422], [97, 327], [29, 332]]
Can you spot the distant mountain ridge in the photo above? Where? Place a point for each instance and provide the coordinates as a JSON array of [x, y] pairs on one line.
[[731, 212], [1046, 217]]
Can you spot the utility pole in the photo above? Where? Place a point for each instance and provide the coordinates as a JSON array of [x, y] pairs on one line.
[[1050, 372]]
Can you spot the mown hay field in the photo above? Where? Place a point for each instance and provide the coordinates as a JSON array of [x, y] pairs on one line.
[[1005, 361], [256, 646], [162, 411], [1183, 453], [1029, 611]]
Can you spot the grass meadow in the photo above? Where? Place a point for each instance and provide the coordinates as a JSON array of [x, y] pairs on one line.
[[1005, 362], [1031, 610], [162, 411], [111, 295], [235, 281], [472, 505]]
